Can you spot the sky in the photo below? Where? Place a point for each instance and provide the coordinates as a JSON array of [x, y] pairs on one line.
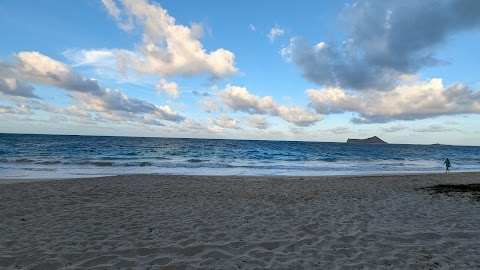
[[405, 71]]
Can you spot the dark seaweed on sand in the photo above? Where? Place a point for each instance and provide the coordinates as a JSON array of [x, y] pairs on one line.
[[471, 189]]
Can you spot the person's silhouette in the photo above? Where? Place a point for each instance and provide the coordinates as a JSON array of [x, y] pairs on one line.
[[447, 165]]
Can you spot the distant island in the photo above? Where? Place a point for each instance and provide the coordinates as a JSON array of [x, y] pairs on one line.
[[373, 139]]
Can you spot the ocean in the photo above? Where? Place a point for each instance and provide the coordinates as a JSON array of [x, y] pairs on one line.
[[25, 156]]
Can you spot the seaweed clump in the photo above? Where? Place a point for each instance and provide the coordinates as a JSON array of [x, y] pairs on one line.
[[471, 189]]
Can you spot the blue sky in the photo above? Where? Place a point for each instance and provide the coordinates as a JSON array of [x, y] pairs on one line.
[[405, 71]]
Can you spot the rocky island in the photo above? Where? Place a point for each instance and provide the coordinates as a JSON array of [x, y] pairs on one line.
[[373, 139]]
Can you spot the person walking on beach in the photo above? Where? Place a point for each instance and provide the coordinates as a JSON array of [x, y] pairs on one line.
[[447, 165]]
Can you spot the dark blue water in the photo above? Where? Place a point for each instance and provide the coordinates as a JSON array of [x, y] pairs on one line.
[[54, 156]]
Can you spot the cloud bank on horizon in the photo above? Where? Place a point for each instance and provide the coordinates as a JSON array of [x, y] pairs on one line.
[[369, 73]]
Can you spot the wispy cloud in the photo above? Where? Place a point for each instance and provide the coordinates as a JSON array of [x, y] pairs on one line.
[[18, 109], [274, 33], [337, 130], [433, 128], [395, 128], [451, 122]]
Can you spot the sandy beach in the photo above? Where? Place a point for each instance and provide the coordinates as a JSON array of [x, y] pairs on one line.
[[202, 222]]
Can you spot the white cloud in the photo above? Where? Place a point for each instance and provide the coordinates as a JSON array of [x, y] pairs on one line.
[[210, 105], [112, 8], [296, 115], [170, 88], [239, 99], [257, 121], [125, 24], [224, 121], [274, 33], [321, 46], [167, 49], [35, 67], [252, 27], [417, 101], [87, 93], [287, 51], [102, 57], [110, 64]]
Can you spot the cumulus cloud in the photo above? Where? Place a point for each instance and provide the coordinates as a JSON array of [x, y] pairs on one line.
[[167, 48], [325, 65], [274, 33], [417, 101], [170, 88], [224, 121], [296, 115], [257, 121], [35, 67], [87, 94], [385, 40], [115, 100], [239, 99], [13, 87]]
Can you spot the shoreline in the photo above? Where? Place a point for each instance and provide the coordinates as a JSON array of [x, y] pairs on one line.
[[366, 175], [238, 222]]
